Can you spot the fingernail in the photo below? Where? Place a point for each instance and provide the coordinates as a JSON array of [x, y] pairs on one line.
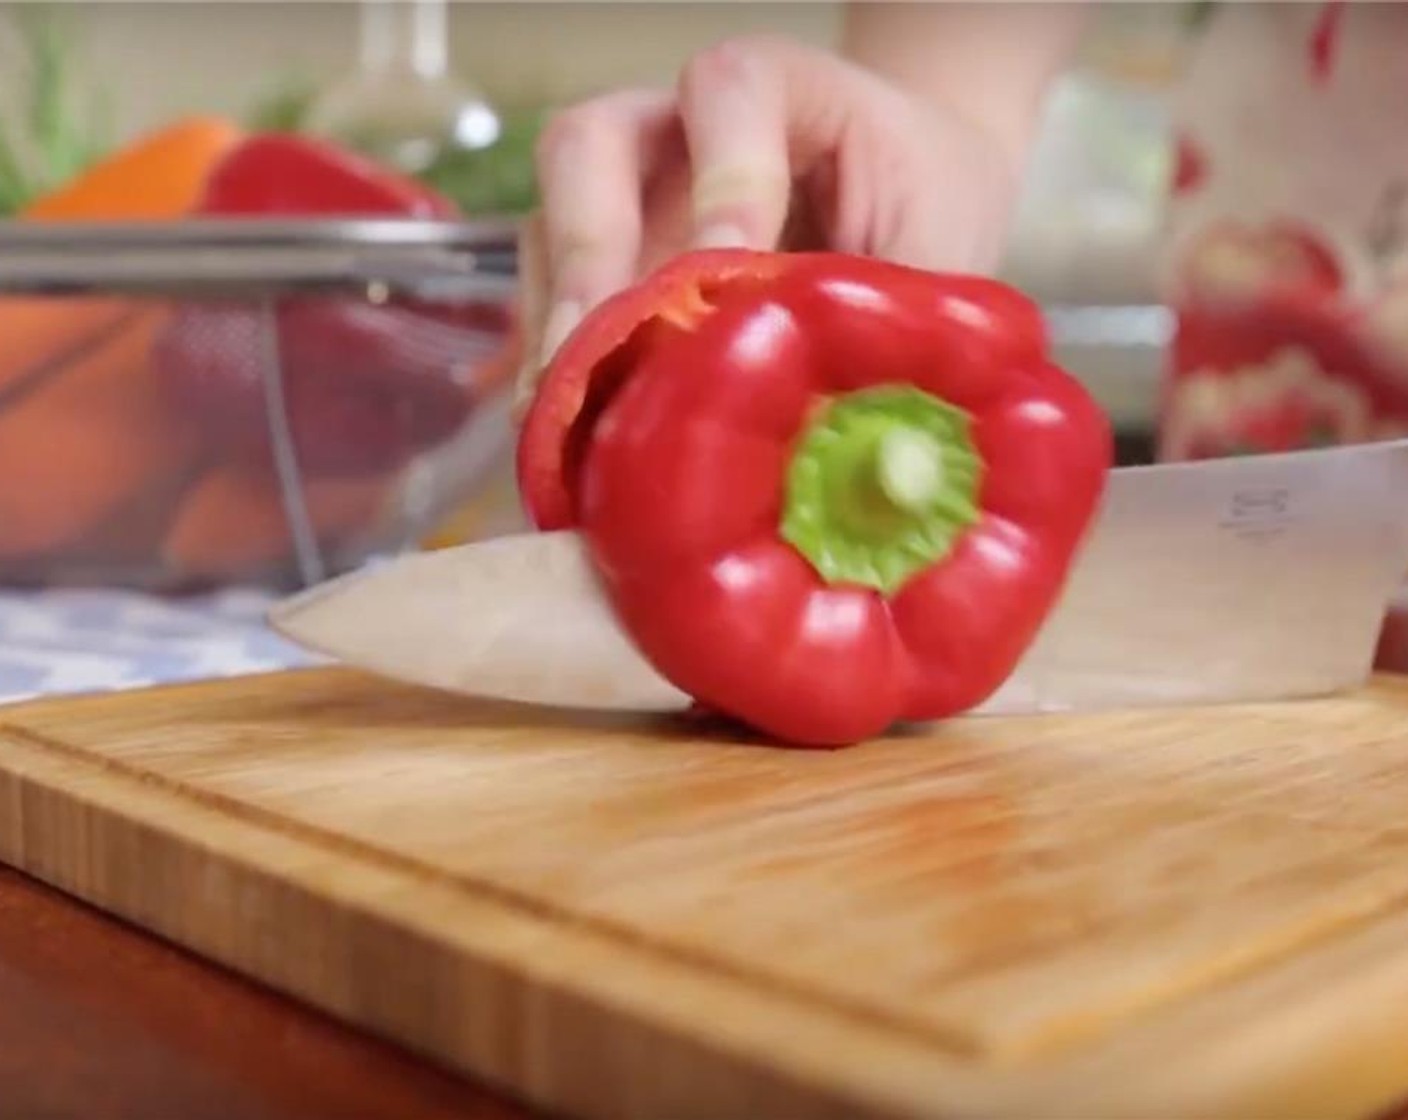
[[721, 237], [562, 320]]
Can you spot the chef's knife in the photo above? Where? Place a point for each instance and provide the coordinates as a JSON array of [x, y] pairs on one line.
[[1251, 578]]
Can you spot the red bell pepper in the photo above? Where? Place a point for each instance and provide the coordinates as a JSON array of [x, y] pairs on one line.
[[276, 173], [825, 494], [366, 386]]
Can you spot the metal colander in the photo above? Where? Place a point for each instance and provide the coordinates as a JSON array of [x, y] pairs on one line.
[[342, 386]]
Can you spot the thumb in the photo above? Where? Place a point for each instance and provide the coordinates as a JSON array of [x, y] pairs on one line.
[[532, 309]]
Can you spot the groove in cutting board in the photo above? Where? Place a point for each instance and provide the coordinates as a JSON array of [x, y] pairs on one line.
[[1004, 894]]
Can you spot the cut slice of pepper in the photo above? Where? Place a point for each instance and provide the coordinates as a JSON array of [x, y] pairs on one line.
[[826, 494], [598, 355]]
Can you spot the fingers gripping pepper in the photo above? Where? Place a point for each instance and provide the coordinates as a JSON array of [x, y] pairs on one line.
[[825, 494]]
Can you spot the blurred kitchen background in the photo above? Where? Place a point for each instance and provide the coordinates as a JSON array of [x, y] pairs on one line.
[[454, 94], [1093, 197]]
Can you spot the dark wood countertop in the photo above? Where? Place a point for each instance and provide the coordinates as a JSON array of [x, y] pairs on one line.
[[99, 1021]]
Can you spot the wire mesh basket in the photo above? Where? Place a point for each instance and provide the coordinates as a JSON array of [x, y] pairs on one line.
[[197, 403]]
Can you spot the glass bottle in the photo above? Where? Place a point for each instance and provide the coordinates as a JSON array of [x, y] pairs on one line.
[[403, 104]]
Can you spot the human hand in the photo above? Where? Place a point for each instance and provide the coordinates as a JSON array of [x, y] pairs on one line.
[[762, 144]]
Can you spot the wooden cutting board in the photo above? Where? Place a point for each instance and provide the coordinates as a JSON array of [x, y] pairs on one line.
[[1183, 914]]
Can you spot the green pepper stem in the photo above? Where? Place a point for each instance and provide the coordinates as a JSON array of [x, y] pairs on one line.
[[881, 486], [909, 465]]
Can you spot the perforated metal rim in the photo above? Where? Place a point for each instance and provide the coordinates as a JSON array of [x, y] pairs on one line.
[[257, 258]]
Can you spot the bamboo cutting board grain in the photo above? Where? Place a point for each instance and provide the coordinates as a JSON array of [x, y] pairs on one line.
[[1183, 914]]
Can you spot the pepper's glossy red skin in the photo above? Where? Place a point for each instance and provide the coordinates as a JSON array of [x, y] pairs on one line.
[[664, 429], [366, 386]]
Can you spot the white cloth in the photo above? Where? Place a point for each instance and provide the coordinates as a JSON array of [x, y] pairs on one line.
[[73, 641]]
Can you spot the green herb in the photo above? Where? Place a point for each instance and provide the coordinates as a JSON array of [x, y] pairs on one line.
[[283, 107], [1199, 12], [55, 131], [499, 179]]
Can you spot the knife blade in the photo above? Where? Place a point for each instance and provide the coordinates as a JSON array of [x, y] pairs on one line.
[[1252, 578]]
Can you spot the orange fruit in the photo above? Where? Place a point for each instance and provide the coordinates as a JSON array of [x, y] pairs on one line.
[[77, 449]]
